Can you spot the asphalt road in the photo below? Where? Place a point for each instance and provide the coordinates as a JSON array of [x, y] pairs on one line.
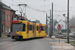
[[30, 44]]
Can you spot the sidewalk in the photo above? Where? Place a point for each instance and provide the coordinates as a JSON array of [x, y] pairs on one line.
[[62, 46], [3, 37]]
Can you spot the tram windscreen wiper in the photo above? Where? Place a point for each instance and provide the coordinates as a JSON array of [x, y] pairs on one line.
[[19, 29]]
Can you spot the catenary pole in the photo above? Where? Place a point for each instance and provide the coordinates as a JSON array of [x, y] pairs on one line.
[[46, 24], [68, 21], [50, 24], [0, 18], [52, 18]]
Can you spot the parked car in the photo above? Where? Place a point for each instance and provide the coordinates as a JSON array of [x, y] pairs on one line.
[[9, 34]]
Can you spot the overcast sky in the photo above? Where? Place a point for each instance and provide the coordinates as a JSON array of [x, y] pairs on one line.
[[37, 9]]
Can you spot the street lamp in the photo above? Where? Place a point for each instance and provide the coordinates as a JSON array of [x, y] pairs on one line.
[[65, 19]]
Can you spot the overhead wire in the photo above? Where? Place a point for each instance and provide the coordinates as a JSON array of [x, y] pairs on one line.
[[14, 1], [19, 1], [38, 9], [9, 3], [35, 9]]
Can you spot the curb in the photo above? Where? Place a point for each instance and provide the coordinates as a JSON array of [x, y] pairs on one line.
[[72, 44], [4, 37]]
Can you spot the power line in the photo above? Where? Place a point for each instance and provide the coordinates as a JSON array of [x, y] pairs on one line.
[[49, 10], [14, 1], [10, 3], [36, 9], [19, 1]]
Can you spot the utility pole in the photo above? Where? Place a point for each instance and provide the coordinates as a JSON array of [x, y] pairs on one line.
[[0, 18], [50, 24], [68, 21], [52, 19], [46, 24]]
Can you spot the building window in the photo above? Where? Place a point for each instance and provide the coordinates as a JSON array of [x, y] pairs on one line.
[[2, 15], [6, 17], [11, 12], [3, 28], [6, 29], [12, 17], [9, 18]]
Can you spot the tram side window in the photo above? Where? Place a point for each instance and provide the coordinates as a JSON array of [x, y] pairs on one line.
[[37, 27], [30, 27], [42, 28], [23, 27]]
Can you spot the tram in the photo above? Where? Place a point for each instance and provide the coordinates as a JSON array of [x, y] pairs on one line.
[[21, 29]]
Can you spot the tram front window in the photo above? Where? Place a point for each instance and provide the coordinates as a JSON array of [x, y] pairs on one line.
[[18, 27]]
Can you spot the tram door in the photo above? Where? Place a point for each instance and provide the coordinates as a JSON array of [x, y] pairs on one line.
[[29, 30], [40, 29], [37, 30], [34, 29]]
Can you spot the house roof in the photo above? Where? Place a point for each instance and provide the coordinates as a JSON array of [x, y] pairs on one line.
[[6, 7]]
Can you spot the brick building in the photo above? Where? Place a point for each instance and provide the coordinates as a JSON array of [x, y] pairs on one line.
[[7, 16]]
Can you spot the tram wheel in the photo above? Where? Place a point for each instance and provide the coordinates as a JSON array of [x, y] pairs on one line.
[[20, 39]]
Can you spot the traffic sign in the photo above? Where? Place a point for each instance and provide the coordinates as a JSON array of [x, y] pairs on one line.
[[59, 26]]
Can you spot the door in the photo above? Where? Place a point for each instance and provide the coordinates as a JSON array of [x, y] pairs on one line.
[[34, 30], [37, 30], [9, 29]]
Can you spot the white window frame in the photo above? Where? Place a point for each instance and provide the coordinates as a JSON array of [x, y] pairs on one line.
[[3, 28]]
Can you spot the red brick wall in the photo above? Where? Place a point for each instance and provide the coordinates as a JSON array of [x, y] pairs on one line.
[[3, 21], [8, 22]]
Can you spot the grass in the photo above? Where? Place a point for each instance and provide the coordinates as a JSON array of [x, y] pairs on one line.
[[72, 43]]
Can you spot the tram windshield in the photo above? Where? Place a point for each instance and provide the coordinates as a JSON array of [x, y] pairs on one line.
[[18, 27]]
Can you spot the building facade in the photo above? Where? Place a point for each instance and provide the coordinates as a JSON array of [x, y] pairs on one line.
[[7, 16]]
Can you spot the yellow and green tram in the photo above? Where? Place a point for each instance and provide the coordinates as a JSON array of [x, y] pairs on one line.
[[21, 29]]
